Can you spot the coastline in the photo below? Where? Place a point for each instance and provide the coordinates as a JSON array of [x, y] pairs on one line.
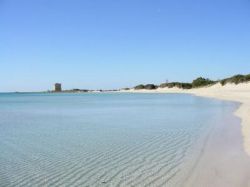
[[238, 93], [224, 159]]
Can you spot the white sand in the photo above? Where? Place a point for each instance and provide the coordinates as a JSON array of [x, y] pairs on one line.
[[239, 93], [224, 160]]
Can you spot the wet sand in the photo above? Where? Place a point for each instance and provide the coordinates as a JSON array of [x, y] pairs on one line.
[[223, 161], [225, 158]]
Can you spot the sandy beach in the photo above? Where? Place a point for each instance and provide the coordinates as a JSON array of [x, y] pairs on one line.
[[231, 92], [225, 160]]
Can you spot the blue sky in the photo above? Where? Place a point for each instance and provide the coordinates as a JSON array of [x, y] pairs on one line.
[[120, 43]]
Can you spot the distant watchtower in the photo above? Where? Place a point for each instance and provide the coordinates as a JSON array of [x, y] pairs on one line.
[[58, 87]]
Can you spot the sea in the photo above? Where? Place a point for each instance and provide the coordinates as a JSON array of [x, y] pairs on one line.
[[104, 139]]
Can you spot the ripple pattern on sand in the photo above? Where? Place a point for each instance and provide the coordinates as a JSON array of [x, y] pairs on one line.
[[100, 140], [151, 162]]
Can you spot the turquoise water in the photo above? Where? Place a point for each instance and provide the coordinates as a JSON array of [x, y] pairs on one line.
[[103, 139]]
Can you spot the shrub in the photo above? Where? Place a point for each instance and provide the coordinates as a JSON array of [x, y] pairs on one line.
[[247, 77], [150, 87], [163, 85], [139, 87], [200, 82], [172, 84], [223, 82], [186, 86], [236, 79], [176, 84]]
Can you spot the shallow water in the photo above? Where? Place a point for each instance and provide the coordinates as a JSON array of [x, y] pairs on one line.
[[103, 139]]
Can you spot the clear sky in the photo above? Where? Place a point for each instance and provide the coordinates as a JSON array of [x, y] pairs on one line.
[[120, 43]]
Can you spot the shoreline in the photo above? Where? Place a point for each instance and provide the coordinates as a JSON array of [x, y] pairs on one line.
[[237, 93], [224, 159], [221, 159]]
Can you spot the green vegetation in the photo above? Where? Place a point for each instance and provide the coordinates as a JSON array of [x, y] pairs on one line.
[[236, 79], [186, 85], [150, 87], [197, 83], [176, 84], [201, 82], [139, 87], [147, 87]]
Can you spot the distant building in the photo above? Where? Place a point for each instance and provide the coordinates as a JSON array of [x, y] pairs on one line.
[[58, 87]]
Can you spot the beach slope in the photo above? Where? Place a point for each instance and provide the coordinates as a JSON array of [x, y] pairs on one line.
[[225, 159]]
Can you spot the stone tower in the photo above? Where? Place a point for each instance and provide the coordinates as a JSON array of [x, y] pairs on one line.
[[58, 87]]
